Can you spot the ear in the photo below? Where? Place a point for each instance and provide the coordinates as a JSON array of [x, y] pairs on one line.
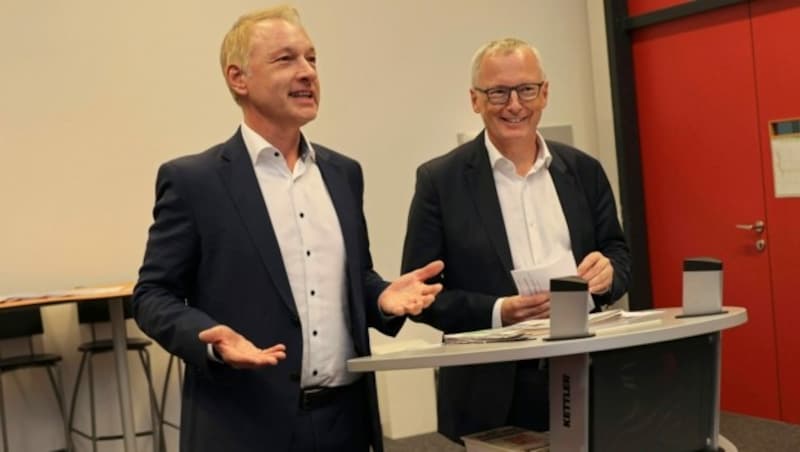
[[544, 93], [473, 96], [236, 79]]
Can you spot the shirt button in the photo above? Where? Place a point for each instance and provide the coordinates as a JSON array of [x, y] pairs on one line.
[[313, 292], [276, 154], [314, 373], [308, 253], [314, 333], [302, 215]]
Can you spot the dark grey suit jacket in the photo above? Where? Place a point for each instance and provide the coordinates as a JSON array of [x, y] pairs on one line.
[[212, 257], [455, 216]]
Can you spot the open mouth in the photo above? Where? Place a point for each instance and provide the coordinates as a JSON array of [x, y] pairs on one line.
[[302, 94]]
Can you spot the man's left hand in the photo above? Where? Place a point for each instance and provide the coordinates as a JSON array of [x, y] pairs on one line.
[[409, 294], [597, 271]]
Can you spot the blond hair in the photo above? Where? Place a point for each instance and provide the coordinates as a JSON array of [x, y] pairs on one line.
[[235, 48], [503, 46]]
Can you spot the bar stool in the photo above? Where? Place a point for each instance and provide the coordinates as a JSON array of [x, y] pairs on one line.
[[27, 323], [91, 313]]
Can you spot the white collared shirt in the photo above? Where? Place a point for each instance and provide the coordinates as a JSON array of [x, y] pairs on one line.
[[532, 214], [312, 247]]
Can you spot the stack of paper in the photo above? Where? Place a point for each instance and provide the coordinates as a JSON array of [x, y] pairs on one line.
[[628, 320], [505, 334], [531, 329], [507, 439]]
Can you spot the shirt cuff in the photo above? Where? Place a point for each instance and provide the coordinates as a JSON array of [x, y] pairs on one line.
[[212, 354], [497, 319]]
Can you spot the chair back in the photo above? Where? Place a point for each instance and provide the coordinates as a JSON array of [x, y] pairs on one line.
[[20, 323], [97, 310]]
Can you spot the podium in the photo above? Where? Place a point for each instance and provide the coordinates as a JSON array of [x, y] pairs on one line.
[[651, 386]]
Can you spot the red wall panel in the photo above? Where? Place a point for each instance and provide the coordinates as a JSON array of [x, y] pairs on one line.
[[697, 113], [776, 34]]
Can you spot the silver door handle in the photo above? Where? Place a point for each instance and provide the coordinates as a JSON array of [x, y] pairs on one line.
[[758, 226]]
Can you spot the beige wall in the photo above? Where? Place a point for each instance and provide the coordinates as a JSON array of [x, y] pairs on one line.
[[94, 95]]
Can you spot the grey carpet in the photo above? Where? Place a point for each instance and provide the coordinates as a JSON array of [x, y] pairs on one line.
[[749, 434]]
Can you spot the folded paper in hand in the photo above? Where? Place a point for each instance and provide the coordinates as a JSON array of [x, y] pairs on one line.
[[533, 280]]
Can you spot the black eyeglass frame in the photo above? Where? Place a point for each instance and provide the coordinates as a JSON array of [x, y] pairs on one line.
[[505, 91]]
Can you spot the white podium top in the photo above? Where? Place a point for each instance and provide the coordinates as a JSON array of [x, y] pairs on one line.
[[441, 355]]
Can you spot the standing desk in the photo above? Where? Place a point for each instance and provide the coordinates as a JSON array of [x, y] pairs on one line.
[[114, 296], [574, 355]]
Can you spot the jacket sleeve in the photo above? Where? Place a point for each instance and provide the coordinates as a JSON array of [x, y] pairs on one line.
[[454, 310], [167, 274], [607, 231]]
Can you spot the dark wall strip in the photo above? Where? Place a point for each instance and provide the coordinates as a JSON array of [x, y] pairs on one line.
[[676, 12]]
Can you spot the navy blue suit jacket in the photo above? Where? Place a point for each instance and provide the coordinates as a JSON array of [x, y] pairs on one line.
[[455, 216], [212, 257]]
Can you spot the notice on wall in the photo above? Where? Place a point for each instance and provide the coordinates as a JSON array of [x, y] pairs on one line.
[[785, 142]]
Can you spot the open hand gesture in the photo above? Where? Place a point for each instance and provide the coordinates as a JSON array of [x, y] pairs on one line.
[[409, 294], [238, 352]]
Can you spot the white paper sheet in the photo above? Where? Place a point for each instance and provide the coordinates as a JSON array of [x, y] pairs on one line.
[[537, 279]]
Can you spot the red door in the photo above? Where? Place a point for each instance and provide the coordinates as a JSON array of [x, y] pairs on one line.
[[702, 171], [776, 34]]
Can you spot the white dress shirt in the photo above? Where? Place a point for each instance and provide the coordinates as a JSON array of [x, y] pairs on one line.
[[532, 214], [312, 247]]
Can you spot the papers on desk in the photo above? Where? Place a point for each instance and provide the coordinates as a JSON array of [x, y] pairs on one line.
[[77, 292], [531, 329]]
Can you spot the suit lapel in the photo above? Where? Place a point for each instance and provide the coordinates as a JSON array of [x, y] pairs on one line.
[[480, 183], [340, 193], [348, 214], [238, 175], [572, 202]]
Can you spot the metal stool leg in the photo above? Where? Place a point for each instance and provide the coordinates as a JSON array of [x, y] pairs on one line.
[[91, 403], [164, 390], [75, 391], [155, 412], [3, 416], [54, 372]]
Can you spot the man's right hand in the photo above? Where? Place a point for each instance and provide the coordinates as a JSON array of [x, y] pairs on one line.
[[238, 352], [524, 307]]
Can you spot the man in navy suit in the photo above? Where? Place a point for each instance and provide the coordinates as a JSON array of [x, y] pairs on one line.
[[508, 200], [258, 273]]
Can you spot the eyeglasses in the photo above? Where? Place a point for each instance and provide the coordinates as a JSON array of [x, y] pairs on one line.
[[499, 95]]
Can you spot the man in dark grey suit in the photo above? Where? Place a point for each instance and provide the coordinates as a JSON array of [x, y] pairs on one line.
[[258, 273], [508, 200]]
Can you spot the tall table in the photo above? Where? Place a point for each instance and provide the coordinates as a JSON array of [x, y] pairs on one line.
[[571, 358], [114, 296]]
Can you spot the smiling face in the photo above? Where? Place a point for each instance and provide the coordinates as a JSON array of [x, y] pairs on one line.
[[278, 85], [514, 122]]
